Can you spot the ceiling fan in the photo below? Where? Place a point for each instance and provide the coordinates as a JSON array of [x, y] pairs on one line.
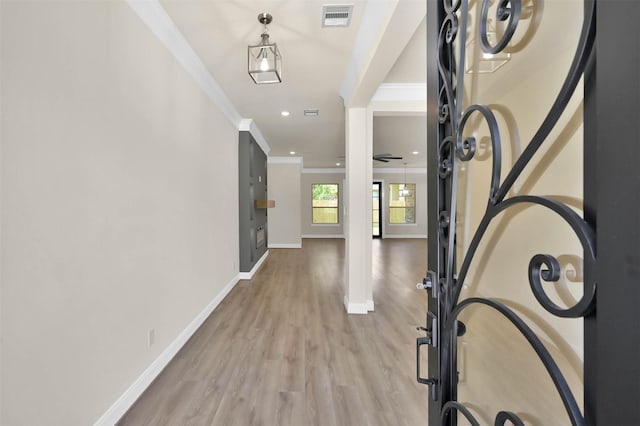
[[386, 157]]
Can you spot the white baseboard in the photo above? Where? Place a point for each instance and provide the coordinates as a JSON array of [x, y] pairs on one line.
[[324, 236], [294, 245], [403, 236], [129, 397], [249, 275], [358, 308], [370, 306]]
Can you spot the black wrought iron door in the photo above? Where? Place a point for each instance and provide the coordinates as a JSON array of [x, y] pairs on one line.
[[514, 164]]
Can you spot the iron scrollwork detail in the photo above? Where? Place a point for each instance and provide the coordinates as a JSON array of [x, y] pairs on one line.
[[454, 148]]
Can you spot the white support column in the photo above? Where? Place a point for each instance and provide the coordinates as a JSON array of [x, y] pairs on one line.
[[359, 176]]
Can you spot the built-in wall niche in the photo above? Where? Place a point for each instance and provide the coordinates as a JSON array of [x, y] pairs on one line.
[[252, 239], [252, 151], [260, 237], [252, 196]]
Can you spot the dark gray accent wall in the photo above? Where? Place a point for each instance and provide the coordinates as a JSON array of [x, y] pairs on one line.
[[252, 186]]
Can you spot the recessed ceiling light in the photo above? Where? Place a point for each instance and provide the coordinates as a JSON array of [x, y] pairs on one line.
[[292, 152], [415, 153], [285, 113], [337, 164]]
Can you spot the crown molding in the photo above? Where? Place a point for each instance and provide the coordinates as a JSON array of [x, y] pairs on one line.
[[155, 17], [386, 27], [248, 125], [400, 92], [375, 18], [158, 21]]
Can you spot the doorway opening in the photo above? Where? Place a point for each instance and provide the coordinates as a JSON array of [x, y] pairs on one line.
[[377, 209]]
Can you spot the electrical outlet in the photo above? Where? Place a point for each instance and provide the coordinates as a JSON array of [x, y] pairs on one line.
[[151, 337]]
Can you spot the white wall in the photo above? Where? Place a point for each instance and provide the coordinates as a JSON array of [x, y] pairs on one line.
[[417, 230], [310, 230], [114, 167], [283, 187], [408, 230]]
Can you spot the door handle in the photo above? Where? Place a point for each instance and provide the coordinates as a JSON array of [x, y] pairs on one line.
[[431, 382]]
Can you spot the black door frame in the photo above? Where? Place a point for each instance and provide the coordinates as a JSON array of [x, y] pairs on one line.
[[380, 206], [612, 205], [611, 209]]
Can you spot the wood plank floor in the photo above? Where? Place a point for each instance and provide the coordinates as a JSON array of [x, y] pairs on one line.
[[280, 349]]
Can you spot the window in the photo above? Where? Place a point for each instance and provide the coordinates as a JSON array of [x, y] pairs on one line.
[[324, 203], [402, 203]]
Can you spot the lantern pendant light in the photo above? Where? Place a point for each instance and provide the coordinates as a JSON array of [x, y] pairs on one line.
[[265, 61], [404, 192]]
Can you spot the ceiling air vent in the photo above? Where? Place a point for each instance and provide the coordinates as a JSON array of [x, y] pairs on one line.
[[336, 15], [311, 112]]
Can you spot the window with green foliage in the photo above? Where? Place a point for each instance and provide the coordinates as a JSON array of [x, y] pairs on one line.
[[324, 204], [402, 203]]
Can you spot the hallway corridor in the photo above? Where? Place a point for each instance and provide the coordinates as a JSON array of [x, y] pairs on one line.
[[281, 350]]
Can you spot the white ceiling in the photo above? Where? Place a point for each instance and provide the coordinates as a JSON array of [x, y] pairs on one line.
[[315, 65], [400, 136]]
